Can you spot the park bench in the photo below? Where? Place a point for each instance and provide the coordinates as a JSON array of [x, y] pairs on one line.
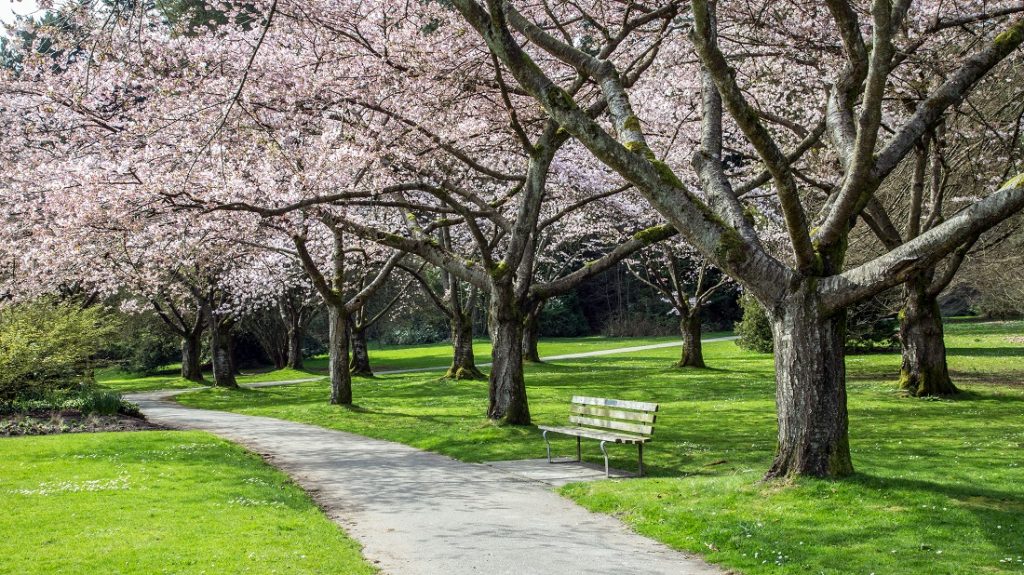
[[607, 421]]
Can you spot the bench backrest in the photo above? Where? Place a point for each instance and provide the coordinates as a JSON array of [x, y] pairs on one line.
[[636, 417]]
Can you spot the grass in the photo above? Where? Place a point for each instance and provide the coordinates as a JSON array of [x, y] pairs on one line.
[[123, 381], [383, 358], [169, 378], [937, 488], [158, 502], [393, 357]]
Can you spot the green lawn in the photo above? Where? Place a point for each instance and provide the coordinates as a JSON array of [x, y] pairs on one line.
[[168, 378], [158, 502], [123, 381], [389, 357], [383, 357], [938, 488]]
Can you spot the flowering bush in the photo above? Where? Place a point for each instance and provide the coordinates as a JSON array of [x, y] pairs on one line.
[[47, 346]]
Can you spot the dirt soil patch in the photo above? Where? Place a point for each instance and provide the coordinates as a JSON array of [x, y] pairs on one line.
[[47, 423]]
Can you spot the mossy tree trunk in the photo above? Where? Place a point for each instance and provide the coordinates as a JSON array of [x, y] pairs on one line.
[[296, 311], [188, 322], [924, 371], [690, 328], [810, 398], [506, 385], [463, 362], [340, 309]]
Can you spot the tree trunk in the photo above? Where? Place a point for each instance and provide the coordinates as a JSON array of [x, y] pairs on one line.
[[531, 333], [280, 357], [507, 388], [360, 354], [810, 397], [341, 378], [463, 363], [191, 347], [693, 353], [295, 337], [221, 354], [924, 371]]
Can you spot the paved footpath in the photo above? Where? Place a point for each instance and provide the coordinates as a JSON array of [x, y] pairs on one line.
[[419, 513]]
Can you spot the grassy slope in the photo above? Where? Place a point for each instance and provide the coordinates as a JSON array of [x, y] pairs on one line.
[[938, 483], [157, 502]]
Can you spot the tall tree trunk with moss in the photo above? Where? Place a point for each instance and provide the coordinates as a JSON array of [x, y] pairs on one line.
[[924, 371], [463, 361], [296, 312], [506, 384]]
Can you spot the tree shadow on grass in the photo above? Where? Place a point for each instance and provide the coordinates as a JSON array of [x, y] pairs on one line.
[[1008, 351], [995, 510]]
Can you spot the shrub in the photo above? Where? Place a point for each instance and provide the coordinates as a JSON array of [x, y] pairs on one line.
[[869, 327], [48, 346], [562, 317], [143, 345], [413, 335], [640, 325], [87, 399], [872, 327], [755, 329]]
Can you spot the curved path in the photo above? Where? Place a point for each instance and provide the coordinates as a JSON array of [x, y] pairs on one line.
[[420, 513]]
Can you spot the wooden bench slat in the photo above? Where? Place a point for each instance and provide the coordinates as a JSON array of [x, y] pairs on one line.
[[619, 403], [642, 416], [636, 428], [596, 434]]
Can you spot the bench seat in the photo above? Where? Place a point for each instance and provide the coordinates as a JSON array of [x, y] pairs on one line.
[[608, 421], [608, 436]]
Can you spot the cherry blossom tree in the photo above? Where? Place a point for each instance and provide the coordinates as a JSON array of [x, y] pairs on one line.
[[357, 153], [686, 281], [366, 317], [974, 148], [456, 300], [806, 290], [389, 121]]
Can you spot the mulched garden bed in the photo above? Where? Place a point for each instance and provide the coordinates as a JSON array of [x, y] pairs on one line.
[[48, 423]]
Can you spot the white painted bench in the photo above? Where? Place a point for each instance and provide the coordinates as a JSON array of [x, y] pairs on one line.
[[607, 421]]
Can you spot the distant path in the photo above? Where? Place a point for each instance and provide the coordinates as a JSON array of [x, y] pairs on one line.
[[419, 513], [582, 354]]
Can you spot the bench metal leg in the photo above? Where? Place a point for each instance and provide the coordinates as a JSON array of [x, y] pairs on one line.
[[547, 444], [640, 457], [579, 456], [605, 452]]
